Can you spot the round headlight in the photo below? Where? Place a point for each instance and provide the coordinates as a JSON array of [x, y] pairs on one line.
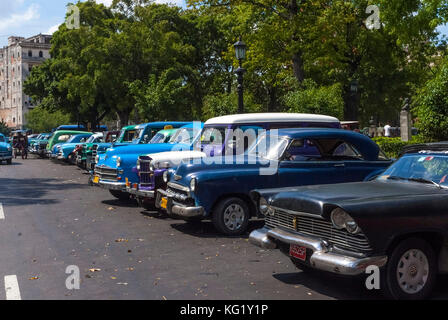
[[165, 176], [118, 162], [264, 206], [193, 184], [342, 220], [9, 149]]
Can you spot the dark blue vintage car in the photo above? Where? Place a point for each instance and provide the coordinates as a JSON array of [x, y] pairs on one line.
[[218, 188]]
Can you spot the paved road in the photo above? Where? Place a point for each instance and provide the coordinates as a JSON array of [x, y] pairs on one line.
[[52, 219]]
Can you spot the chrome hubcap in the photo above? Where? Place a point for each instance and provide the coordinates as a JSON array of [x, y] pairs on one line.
[[234, 217], [412, 271]]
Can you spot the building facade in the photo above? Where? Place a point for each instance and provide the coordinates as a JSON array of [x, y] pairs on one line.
[[16, 62]]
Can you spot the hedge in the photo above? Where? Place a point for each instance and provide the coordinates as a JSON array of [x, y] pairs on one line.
[[393, 146]]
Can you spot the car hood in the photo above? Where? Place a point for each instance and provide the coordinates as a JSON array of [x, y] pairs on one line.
[[174, 158], [4, 146], [130, 154], [70, 145], [221, 163], [352, 197]]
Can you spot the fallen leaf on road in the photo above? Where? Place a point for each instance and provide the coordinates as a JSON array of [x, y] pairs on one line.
[[164, 298], [130, 269], [122, 240], [122, 283], [111, 208], [113, 278], [34, 278], [94, 270]]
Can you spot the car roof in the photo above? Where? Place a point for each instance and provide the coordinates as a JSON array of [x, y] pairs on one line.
[[366, 146], [416, 148], [271, 117], [72, 132], [162, 124]]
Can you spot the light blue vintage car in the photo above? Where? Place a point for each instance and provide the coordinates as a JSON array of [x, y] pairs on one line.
[[5, 150], [117, 166]]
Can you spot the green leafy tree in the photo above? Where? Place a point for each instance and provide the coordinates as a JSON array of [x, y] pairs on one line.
[[432, 106], [41, 119], [4, 128], [314, 99]]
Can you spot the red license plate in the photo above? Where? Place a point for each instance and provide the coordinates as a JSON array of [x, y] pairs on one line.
[[297, 252]]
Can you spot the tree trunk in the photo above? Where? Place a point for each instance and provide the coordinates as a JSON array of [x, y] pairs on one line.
[[297, 59], [297, 63], [272, 104]]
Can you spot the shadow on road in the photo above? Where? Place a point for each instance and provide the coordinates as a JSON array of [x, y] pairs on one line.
[[205, 229], [330, 285], [121, 203], [22, 192]]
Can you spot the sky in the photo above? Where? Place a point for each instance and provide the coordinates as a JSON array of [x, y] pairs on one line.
[[26, 18]]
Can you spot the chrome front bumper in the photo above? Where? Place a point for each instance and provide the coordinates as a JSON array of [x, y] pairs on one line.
[[322, 257], [3, 158], [176, 208], [112, 185], [141, 193]]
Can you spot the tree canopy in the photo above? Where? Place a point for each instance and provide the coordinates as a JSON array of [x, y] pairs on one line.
[[142, 61]]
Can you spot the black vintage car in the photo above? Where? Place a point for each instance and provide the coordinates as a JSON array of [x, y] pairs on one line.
[[397, 222]]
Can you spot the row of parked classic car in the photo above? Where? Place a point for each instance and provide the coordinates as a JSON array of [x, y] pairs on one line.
[[330, 198]]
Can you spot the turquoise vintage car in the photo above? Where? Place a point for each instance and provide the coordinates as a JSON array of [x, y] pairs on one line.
[[71, 142], [5, 150]]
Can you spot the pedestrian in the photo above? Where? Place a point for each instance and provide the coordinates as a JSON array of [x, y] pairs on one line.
[[387, 130], [380, 130]]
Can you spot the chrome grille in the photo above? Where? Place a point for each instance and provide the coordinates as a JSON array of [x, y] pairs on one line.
[[319, 228], [106, 173], [94, 151], [145, 171]]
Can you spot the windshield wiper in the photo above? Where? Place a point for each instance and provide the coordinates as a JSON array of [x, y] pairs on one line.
[[420, 180]]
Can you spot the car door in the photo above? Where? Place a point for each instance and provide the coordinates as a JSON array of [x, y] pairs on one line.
[[303, 164]]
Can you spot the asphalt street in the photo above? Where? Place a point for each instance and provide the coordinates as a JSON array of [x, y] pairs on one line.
[[51, 219]]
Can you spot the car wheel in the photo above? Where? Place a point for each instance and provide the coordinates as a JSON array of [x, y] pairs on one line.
[[9, 161], [231, 216], [123, 196], [411, 271]]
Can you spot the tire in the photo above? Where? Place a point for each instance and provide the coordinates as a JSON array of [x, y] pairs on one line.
[[422, 266], [9, 162], [238, 212], [123, 196]]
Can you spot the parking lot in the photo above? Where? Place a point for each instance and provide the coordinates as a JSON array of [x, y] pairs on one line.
[[52, 219]]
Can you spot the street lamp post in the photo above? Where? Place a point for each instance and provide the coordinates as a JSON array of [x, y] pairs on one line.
[[240, 52]]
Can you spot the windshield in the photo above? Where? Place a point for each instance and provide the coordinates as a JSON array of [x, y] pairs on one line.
[[129, 135], [268, 147], [158, 138], [74, 139], [213, 136], [184, 135], [419, 168]]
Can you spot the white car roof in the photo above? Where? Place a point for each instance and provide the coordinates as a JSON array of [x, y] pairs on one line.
[[271, 117]]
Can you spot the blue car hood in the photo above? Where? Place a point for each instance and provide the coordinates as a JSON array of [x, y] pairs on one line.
[[130, 153], [4, 146], [222, 163]]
